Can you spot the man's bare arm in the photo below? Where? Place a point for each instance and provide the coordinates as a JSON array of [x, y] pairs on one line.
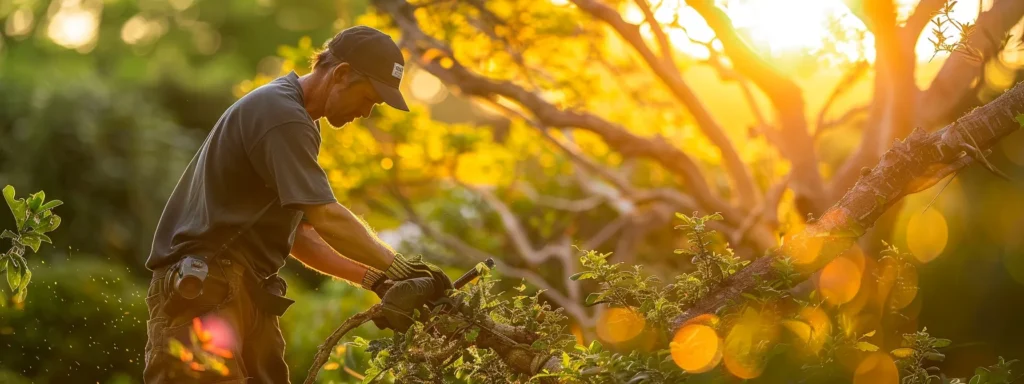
[[310, 249], [349, 235]]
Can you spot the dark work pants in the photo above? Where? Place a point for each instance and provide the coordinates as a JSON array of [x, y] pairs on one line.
[[234, 324]]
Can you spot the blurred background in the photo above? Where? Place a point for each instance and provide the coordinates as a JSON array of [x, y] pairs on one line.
[[103, 103]]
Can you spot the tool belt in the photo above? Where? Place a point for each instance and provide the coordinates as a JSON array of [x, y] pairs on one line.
[[267, 293]]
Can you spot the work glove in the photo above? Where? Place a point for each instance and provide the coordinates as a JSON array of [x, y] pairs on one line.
[[410, 267], [399, 303], [377, 282]]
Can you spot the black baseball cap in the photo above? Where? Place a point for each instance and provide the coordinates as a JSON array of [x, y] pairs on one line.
[[374, 54]]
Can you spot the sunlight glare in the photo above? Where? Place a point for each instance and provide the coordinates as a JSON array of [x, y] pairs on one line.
[[74, 25]]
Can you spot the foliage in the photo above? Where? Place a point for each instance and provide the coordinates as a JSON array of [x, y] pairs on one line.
[[86, 317], [768, 329], [33, 218]]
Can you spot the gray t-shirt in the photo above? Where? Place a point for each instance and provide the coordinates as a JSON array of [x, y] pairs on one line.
[[263, 147]]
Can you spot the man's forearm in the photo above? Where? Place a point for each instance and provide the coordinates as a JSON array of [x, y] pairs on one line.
[[347, 234], [311, 250]]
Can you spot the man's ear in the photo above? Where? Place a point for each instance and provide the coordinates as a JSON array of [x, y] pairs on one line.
[[340, 73]]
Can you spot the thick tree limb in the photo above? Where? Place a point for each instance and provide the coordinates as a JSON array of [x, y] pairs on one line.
[[952, 84], [738, 172], [903, 166], [922, 156]]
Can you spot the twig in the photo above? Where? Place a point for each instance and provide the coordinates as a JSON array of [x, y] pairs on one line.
[[324, 351]]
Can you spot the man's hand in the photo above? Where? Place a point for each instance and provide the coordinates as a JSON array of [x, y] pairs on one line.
[[378, 283], [401, 300], [405, 268]]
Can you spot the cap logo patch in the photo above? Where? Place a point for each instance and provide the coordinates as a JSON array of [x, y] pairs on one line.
[[397, 71]]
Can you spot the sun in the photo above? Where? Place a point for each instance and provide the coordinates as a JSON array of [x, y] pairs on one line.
[[783, 27]]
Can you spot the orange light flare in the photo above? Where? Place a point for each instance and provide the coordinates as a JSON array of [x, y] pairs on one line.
[[216, 335], [812, 328], [898, 283], [696, 348], [745, 352], [840, 280], [617, 325], [876, 368]]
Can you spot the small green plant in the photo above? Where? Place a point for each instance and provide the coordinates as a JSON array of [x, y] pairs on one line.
[[33, 218]]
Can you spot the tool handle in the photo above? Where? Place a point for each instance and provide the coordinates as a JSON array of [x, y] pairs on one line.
[[471, 274]]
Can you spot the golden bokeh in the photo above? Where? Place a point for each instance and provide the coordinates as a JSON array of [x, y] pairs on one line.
[[617, 325], [696, 348], [748, 342], [839, 281], [927, 234], [876, 368], [905, 286]]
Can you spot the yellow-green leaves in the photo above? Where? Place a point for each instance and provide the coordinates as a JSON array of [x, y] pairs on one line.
[[33, 219]]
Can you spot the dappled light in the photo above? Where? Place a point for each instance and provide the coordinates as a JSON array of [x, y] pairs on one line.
[[927, 234], [876, 368], [617, 325], [840, 280], [696, 348], [627, 191]]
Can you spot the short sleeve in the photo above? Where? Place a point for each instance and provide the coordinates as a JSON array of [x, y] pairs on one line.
[[285, 157]]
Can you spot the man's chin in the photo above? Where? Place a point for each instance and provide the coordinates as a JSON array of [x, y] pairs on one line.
[[338, 123]]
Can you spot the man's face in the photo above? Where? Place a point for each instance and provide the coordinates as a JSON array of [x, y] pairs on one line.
[[347, 100]]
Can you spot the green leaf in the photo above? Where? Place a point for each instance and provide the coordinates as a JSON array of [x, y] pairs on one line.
[[976, 380], [866, 346], [18, 207], [594, 299], [32, 240], [942, 343], [371, 374], [8, 235], [14, 275], [582, 276], [715, 217], [51, 205], [36, 200], [934, 356], [902, 352], [1020, 119], [22, 292], [472, 334], [869, 334]]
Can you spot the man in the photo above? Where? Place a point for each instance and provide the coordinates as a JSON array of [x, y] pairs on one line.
[[254, 194]]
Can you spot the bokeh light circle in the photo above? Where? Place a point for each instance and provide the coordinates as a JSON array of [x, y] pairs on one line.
[[927, 234], [839, 281], [617, 325], [696, 348], [876, 368]]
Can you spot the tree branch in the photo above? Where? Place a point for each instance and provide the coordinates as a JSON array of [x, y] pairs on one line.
[[737, 170], [785, 95], [324, 351], [663, 45], [939, 103], [902, 167]]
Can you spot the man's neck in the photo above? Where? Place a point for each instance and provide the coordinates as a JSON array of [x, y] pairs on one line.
[[311, 95]]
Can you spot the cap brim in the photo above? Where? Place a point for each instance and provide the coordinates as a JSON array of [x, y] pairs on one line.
[[392, 96]]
